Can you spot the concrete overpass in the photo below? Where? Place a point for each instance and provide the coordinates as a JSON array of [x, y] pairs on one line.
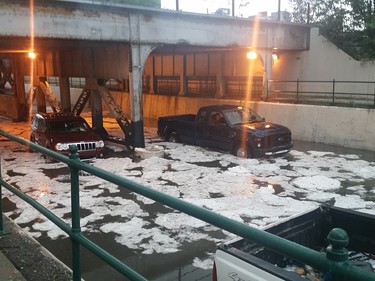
[[101, 42]]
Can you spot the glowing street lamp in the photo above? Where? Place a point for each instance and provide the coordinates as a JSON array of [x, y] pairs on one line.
[[31, 55], [251, 55]]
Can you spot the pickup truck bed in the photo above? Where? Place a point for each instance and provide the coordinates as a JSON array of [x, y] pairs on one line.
[[246, 260], [183, 128]]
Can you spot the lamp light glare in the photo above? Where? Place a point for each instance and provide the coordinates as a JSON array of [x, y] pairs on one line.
[[252, 55], [32, 55]]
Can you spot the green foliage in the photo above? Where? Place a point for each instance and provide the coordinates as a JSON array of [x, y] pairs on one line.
[[147, 3], [350, 24]]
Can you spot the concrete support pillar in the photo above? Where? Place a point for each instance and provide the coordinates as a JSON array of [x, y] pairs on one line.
[[19, 89], [135, 89], [137, 58], [65, 94], [10, 73], [22, 111]]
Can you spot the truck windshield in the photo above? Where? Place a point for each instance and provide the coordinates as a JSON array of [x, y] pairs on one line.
[[241, 116]]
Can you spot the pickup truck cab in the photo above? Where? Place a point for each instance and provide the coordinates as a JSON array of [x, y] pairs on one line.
[[238, 130]]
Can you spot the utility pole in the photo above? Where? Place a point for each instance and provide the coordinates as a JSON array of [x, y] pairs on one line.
[[177, 5], [232, 8]]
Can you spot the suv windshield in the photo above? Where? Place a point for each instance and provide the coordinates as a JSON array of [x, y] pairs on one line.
[[241, 116], [68, 127]]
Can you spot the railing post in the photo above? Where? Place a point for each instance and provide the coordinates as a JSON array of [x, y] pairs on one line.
[[3, 231], [1, 205], [75, 208], [336, 251], [333, 91]]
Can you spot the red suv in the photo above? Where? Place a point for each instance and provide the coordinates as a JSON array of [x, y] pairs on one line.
[[57, 131]]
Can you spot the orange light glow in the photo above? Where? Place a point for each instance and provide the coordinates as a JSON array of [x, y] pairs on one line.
[[32, 55], [251, 55]]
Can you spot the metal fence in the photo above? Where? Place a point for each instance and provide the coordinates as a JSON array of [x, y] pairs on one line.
[[319, 92], [318, 260], [329, 92]]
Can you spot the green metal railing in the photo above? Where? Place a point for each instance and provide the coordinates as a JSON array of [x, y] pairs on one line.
[[333, 261], [330, 92]]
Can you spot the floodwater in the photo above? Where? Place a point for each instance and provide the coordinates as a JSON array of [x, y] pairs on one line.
[[179, 265], [173, 266]]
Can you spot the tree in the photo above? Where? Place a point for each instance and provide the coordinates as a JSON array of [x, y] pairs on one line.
[[350, 24]]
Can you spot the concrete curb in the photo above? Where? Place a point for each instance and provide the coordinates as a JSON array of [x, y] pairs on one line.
[[23, 258], [8, 271]]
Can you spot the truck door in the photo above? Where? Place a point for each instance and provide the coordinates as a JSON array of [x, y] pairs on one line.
[[201, 132], [213, 132], [218, 131]]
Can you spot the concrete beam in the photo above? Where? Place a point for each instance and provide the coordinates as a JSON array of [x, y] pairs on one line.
[[80, 21]]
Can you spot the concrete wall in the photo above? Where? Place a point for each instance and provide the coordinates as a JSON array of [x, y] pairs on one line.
[[324, 61], [342, 126], [348, 127]]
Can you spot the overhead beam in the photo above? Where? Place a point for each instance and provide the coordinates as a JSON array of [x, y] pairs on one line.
[[66, 20]]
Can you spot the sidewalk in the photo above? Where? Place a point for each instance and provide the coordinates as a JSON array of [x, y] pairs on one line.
[[23, 258], [8, 271]]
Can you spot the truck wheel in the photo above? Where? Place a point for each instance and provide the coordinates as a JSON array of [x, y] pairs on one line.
[[49, 159], [242, 152], [173, 138]]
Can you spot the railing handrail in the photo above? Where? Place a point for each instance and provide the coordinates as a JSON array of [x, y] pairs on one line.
[[304, 254], [334, 89], [322, 81]]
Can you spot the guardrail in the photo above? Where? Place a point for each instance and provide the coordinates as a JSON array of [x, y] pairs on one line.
[[324, 262], [330, 92]]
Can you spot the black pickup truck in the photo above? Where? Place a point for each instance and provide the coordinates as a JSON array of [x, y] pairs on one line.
[[231, 128]]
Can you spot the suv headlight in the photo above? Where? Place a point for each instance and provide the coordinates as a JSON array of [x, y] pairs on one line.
[[62, 146], [99, 143]]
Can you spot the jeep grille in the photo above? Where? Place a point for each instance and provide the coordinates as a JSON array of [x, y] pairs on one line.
[[82, 146]]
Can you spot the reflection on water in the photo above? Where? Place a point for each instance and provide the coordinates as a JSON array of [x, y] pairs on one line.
[[174, 266]]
